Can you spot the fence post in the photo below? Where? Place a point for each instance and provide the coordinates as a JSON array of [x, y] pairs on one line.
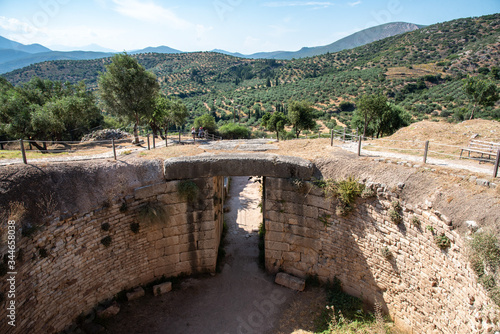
[[426, 150], [497, 163], [114, 147], [319, 134], [154, 144], [331, 137], [166, 139], [343, 137], [23, 152], [149, 147], [359, 145]]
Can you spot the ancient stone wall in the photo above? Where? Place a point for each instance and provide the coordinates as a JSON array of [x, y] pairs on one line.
[[149, 232], [423, 287]]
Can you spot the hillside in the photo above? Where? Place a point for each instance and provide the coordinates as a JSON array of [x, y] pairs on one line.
[[420, 70], [360, 38]]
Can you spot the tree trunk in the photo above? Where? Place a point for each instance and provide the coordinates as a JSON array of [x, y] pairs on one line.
[[136, 133], [277, 136], [39, 147], [472, 114]]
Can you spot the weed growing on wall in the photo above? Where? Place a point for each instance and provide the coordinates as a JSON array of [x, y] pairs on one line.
[[346, 191], [152, 212], [484, 255], [188, 190], [442, 241]]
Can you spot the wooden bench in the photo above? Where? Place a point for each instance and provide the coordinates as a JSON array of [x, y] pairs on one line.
[[482, 147]]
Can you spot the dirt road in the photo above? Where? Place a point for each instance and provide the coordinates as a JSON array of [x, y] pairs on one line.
[[241, 299]]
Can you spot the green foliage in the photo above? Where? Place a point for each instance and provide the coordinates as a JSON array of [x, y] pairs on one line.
[[43, 110], [480, 92], [346, 191], [395, 216], [442, 241], [484, 255], [371, 108], [275, 122], [234, 131], [152, 212], [301, 116], [342, 310], [128, 90], [206, 121], [325, 219], [188, 190], [415, 221]]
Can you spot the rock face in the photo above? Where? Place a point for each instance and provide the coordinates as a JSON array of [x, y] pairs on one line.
[[290, 281], [106, 134]]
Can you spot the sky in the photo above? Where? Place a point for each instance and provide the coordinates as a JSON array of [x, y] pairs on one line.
[[245, 26]]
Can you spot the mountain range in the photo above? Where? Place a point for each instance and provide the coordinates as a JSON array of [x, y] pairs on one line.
[[14, 55]]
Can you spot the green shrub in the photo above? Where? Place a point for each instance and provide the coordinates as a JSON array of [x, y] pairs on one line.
[[346, 191], [234, 131], [442, 241], [386, 253], [188, 190]]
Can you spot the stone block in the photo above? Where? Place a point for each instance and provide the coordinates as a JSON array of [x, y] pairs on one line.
[[290, 281], [148, 191], [109, 312], [137, 293], [162, 288]]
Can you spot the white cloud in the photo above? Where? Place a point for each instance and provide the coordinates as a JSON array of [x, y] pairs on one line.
[[150, 12], [15, 25], [353, 4], [316, 4]]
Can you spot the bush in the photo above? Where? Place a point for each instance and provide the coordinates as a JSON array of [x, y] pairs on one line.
[[234, 131], [442, 241], [152, 211]]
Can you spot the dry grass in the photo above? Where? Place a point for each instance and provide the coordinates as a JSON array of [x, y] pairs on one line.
[[414, 72]]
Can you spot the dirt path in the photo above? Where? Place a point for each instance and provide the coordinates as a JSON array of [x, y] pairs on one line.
[[241, 299]]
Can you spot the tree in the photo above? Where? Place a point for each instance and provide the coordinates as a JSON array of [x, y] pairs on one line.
[[301, 116], [44, 109], [394, 118], [128, 90], [370, 107], [275, 122], [162, 115], [206, 121], [480, 92]]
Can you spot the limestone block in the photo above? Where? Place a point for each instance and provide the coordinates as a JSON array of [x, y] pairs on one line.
[[148, 191], [162, 288], [290, 282], [137, 293], [109, 312]]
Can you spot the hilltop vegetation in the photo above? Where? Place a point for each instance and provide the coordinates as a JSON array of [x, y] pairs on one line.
[[420, 71]]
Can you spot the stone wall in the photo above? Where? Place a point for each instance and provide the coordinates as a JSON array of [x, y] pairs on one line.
[[423, 287], [66, 269]]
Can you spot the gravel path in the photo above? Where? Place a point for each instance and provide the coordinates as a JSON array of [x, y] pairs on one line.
[[469, 165]]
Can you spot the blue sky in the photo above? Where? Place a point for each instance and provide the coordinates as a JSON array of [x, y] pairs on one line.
[[245, 26]]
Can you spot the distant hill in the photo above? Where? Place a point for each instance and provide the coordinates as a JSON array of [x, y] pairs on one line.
[[158, 49], [11, 45], [360, 38]]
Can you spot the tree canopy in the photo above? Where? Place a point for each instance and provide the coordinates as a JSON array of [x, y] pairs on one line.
[[47, 110], [301, 116], [370, 108], [275, 122], [128, 90], [481, 92]]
